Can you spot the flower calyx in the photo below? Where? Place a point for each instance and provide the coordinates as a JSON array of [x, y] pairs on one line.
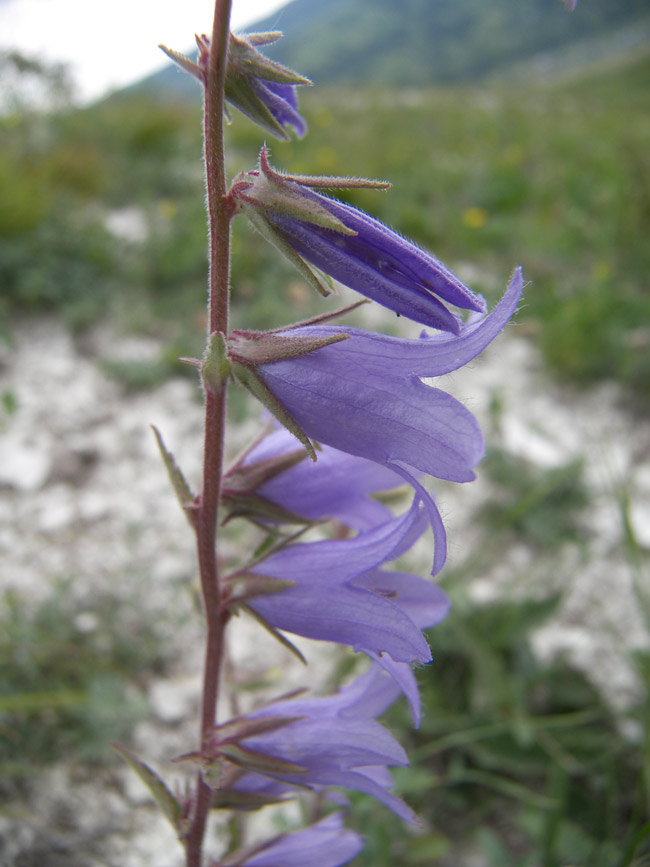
[[263, 90], [240, 484], [225, 747], [265, 192], [245, 351], [243, 586]]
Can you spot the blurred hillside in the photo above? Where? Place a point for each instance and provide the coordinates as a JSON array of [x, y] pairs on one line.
[[524, 758], [424, 42]]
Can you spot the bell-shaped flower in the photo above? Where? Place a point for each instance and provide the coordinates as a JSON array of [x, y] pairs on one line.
[[323, 600], [338, 485], [260, 88], [330, 741], [326, 844], [364, 395], [314, 231]]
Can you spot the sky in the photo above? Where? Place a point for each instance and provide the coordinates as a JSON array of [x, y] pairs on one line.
[[112, 43]]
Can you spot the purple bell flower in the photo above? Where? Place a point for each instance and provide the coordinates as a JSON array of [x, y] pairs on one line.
[[260, 88], [329, 601], [363, 395], [426, 605], [281, 100], [346, 244], [335, 741], [337, 486]]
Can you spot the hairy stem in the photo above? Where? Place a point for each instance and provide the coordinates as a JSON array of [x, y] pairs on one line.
[[215, 409]]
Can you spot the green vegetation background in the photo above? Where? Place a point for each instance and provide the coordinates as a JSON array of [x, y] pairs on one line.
[[527, 762], [552, 177]]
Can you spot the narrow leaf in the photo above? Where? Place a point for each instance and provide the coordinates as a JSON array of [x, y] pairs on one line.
[[262, 763], [225, 799], [168, 803], [247, 727], [179, 484], [274, 632], [248, 585]]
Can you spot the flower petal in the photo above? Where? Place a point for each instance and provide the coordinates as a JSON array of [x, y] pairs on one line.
[[326, 844], [346, 615], [376, 414], [336, 561]]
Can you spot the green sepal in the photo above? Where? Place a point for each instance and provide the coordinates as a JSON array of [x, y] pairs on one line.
[[247, 585], [280, 196], [245, 59], [252, 348], [215, 367], [184, 62], [242, 479], [228, 799], [265, 38], [250, 379], [168, 803], [284, 641], [322, 317], [253, 760], [181, 488], [266, 228], [258, 510], [280, 180], [273, 543], [326, 182], [249, 727]]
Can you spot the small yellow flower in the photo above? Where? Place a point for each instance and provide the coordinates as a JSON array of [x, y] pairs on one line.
[[475, 218]]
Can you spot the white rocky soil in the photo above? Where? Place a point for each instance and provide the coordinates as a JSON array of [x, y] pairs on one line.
[[84, 497]]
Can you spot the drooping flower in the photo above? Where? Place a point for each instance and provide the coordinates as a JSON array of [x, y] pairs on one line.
[[327, 600], [330, 741], [326, 844], [261, 89], [337, 486], [315, 231], [363, 395]]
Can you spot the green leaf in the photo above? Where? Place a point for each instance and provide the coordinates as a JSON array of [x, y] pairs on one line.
[[168, 803], [274, 632], [181, 488]]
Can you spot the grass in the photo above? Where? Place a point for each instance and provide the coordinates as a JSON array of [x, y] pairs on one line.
[[66, 665]]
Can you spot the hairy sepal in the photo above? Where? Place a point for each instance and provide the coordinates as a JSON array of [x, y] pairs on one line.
[[247, 585]]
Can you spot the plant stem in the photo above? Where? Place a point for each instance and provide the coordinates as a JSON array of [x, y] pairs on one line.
[[219, 216]]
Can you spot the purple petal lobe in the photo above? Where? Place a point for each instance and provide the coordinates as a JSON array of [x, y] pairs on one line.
[[326, 844], [346, 615], [332, 562], [424, 602], [376, 414], [403, 676], [336, 486]]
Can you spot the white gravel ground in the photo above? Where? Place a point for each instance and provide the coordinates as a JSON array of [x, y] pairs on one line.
[[84, 496]]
